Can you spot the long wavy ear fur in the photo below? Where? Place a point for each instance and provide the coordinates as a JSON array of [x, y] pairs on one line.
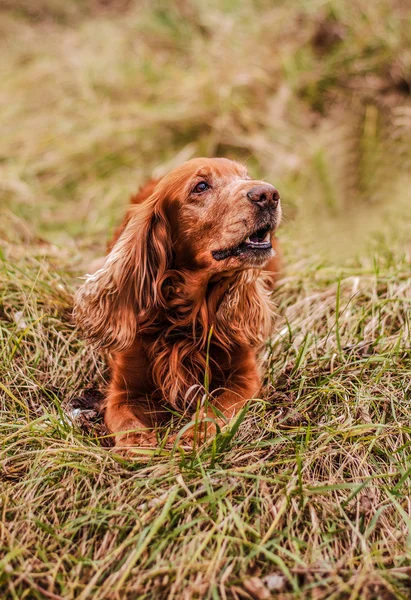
[[116, 300]]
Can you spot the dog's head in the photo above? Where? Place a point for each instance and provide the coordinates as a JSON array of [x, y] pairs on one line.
[[207, 219], [221, 219]]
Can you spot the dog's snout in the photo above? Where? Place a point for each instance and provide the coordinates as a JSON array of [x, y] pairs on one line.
[[264, 195]]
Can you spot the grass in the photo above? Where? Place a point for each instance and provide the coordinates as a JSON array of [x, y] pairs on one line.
[[310, 496]]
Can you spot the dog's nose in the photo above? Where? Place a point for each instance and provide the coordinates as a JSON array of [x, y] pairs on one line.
[[264, 195]]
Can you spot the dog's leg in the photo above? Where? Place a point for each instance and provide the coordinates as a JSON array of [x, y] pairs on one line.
[[208, 422], [243, 386], [131, 422], [131, 413]]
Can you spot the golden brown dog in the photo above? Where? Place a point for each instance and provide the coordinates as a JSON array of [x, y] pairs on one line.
[[184, 298]]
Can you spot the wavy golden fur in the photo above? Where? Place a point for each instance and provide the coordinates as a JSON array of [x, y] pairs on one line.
[[184, 294]]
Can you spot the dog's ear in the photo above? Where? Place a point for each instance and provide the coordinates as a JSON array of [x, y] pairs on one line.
[[121, 297]]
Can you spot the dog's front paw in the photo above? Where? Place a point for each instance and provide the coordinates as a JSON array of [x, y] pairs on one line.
[[131, 440], [198, 433]]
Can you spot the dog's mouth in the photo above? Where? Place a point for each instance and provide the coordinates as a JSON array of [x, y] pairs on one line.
[[257, 242]]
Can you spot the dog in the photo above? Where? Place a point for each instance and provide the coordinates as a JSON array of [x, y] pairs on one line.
[[183, 301]]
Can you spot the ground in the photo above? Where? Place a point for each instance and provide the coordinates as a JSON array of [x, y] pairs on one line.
[[307, 495]]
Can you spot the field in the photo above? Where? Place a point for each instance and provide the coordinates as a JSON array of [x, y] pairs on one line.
[[308, 494]]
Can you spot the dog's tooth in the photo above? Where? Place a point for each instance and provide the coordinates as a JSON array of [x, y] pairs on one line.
[[248, 241], [267, 237]]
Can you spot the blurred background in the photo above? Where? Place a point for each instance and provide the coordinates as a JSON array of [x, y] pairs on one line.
[[97, 96]]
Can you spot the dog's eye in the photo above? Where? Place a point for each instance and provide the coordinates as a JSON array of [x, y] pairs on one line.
[[201, 187]]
